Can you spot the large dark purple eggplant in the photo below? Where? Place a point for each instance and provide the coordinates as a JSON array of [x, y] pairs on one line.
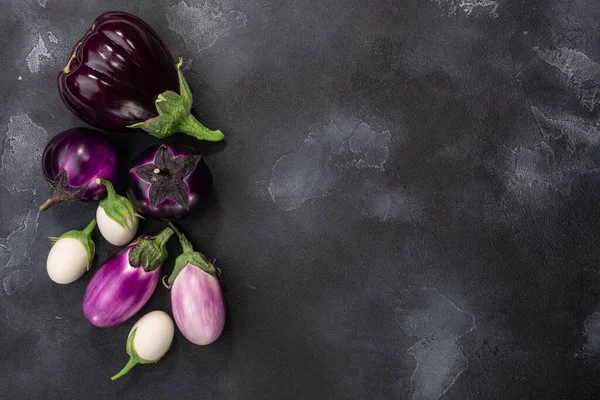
[[121, 75]]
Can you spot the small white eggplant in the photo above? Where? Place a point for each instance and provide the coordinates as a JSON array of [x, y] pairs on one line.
[[149, 340], [71, 255], [117, 220]]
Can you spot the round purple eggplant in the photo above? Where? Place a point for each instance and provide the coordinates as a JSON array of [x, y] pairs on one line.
[[125, 282], [197, 299], [169, 181], [121, 75], [73, 160]]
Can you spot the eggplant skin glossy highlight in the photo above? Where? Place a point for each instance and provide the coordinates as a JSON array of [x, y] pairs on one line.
[[198, 305], [117, 290], [73, 160], [193, 186], [116, 71]]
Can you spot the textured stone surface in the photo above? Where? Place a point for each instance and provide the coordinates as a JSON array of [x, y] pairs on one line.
[[406, 206]]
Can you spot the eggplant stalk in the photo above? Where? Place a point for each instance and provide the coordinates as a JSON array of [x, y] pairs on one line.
[[85, 237], [150, 252], [174, 115], [189, 256], [117, 207], [134, 359]]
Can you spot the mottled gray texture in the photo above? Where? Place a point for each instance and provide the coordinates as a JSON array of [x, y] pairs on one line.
[[324, 157], [568, 149], [487, 7], [204, 24], [591, 331], [436, 324], [38, 55], [406, 205], [21, 155], [583, 74]]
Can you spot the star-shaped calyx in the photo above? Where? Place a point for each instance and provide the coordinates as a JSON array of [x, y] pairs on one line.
[[166, 176]]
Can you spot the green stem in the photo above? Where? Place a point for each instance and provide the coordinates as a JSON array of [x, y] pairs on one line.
[[174, 115], [165, 282], [191, 126], [85, 237], [188, 257], [186, 246], [109, 187], [162, 238], [118, 208], [49, 203], [90, 228], [150, 252], [130, 364]]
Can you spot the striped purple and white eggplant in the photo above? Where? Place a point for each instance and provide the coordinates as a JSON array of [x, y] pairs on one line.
[[197, 299], [125, 282]]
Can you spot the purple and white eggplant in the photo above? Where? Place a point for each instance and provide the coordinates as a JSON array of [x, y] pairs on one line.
[[73, 160], [197, 299], [169, 181], [71, 255], [117, 220], [148, 341], [125, 282]]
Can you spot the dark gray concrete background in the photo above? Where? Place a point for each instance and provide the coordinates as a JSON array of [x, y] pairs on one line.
[[406, 205]]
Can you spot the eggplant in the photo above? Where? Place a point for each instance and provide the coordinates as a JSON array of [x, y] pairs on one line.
[[125, 282], [71, 255], [197, 299], [117, 220], [148, 341], [121, 75], [73, 160], [169, 181]]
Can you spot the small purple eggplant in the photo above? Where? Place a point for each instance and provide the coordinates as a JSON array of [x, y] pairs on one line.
[[169, 181], [125, 282], [197, 300], [73, 160], [121, 75]]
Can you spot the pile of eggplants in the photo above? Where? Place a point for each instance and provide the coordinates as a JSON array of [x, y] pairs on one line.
[[121, 77]]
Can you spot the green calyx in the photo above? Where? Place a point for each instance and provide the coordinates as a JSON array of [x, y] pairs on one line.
[[189, 256], [150, 252], [174, 115], [133, 358], [85, 237], [117, 207]]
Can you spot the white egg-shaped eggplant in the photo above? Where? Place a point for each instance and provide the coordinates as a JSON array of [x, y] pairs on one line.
[[154, 334], [117, 220], [149, 340], [112, 231], [67, 261], [71, 255]]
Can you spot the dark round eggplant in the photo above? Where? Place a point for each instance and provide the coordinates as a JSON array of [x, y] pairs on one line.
[[169, 181], [121, 75], [72, 162]]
